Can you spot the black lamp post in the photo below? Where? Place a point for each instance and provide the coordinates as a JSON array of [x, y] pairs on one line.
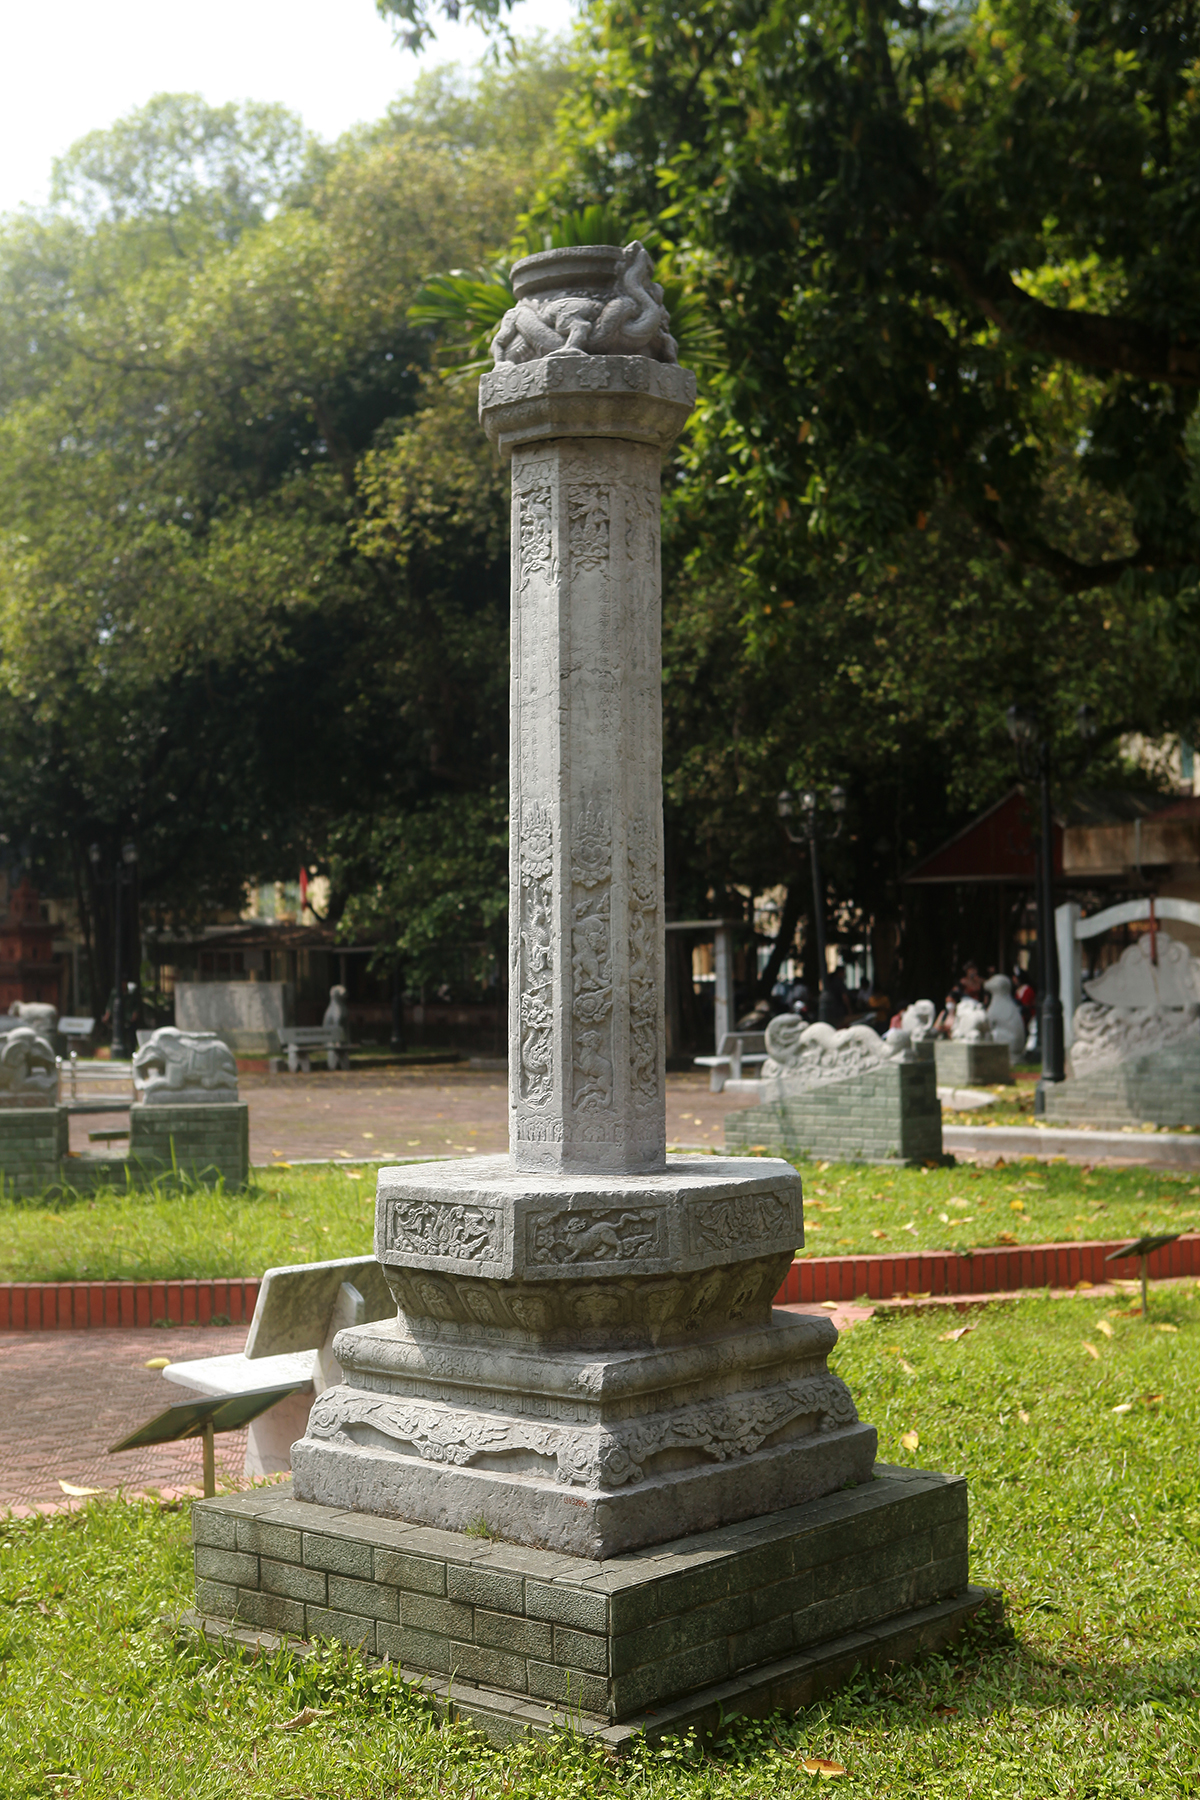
[[1033, 754], [122, 877], [809, 803]]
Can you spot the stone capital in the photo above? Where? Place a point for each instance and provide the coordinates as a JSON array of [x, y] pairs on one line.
[[572, 395]]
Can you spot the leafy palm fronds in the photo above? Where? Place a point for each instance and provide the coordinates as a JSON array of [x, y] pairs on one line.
[[466, 309]]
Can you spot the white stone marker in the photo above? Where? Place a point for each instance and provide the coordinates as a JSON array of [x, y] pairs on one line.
[[585, 1354]]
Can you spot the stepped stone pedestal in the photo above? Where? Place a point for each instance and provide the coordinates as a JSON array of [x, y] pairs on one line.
[[584, 1363]]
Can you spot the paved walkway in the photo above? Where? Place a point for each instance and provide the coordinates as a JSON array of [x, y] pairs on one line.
[[437, 1111], [66, 1396]]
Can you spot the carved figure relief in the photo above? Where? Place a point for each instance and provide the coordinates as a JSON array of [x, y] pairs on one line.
[[1158, 972], [535, 955], [173, 1062], [743, 1219], [587, 1237], [612, 309], [591, 960], [536, 541], [643, 991], [611, 1458], [28, 1069], [587, 509], [463, 1233]]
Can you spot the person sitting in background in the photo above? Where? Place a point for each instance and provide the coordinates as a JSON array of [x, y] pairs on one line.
[[1024, 996]]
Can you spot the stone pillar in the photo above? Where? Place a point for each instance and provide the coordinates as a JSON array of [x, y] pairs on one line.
[[585, 1352], [585, 434]]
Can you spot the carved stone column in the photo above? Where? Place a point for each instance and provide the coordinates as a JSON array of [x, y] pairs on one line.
[[585, 1352], [586, 918]]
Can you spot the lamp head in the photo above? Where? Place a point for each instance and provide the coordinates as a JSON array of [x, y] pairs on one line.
[[837, 799], [94, 855], [129, 855], [785, 803], [1022, 727]]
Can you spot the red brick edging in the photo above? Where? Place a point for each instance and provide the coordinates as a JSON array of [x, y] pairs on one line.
[[1001, 1268], [74, 1305]]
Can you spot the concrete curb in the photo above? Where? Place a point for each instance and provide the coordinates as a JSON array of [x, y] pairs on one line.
[[1161, 1149]]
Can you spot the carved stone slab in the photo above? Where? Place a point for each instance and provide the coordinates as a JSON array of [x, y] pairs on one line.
[[485, 1218]]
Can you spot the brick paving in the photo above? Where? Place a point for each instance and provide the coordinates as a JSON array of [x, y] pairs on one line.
[[66, 1396]]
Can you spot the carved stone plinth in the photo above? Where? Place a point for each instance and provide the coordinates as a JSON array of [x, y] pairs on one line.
[[587, 1365]]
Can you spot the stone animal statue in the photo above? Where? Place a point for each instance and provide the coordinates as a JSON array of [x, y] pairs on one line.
[[183, 1068], [971, 1024], [918, 1020], [1158, 972], [337, 1013], [1005, 1016], [28, 1068], [624, 317], [39, 1015]]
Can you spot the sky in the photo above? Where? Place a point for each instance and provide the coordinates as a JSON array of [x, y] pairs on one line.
[[70, 67]]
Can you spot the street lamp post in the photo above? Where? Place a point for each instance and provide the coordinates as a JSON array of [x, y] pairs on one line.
[[1033, 754], [122, 877], [785, 804]]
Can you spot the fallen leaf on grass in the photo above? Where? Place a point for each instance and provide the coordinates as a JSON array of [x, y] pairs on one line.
[[1082, 1284], [911, 1226], [821, 1765], [352, 1174], [1092, 1351], [1022, 1415], [879, 1234], [78, 1493], [1166, 1328], [159, 1362], [1007, 1237], [1104, 1326], [1125, 1406], [1016, 1206], [946, 1712], [308, 1717], [1152, 1399], [911, 1440], [952, 1337], [907, 1367]]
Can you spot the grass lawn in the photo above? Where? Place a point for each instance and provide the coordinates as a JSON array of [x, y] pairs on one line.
[[303, 1215], [1087, 1516]]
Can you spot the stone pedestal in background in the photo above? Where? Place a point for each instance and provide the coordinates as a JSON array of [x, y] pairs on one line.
[[971, 1065], [847, 1095], [33, 1147]]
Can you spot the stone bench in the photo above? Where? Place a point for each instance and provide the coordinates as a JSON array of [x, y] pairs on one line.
[[739, 1049], [301, 1040], [300, 1309]]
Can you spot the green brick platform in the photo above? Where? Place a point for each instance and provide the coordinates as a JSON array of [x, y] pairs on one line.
[[204, 1143], [752, 1617], [891, 1115]]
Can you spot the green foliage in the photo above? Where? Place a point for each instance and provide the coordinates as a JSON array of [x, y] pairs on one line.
[[242, 605], [1085, 1518], [178, 161], [416, 20]]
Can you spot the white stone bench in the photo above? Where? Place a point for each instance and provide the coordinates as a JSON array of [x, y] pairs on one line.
[[301, 1040], [739, 1050], [300, 1310]]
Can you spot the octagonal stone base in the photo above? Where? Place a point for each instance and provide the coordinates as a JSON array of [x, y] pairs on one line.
[[585, 1364]]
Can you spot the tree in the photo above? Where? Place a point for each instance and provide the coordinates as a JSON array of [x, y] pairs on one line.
[[944, 456], [233, 617]]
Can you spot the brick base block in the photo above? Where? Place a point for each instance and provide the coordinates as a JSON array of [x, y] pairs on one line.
[[891, 1115], [755, 1610]]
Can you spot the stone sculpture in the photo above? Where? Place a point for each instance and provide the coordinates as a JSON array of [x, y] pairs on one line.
[[184, 1068], [1108, 1035], [1155, 971], [28, 1069], [596, 300], [1005, 1017], [337, 1013], [801, 1056], [39, 1015], [970, 1024], [918, 1020], [584, 1352]]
